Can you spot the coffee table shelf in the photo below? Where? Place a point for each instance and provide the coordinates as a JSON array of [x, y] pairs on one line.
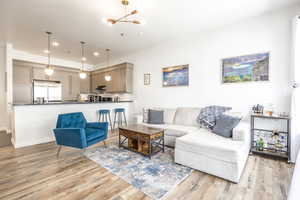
[[141, 139]]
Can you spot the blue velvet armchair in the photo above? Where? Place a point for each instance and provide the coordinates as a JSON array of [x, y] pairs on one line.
[[73, 130]]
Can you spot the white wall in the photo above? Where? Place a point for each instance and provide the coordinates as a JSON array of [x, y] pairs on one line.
[[3, 117], [271, 32]]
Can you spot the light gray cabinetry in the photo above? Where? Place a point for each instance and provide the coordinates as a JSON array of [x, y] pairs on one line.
[[25, 72], [121, 78], [70, 83], [22, 84], [39, 73]]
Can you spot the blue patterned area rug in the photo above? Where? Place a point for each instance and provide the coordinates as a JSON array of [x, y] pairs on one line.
[[155, 177]]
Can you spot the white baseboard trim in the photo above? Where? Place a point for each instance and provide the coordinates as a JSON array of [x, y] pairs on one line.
[[30, 143]]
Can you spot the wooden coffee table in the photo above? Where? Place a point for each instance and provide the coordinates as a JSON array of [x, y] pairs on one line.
[[142, 139]]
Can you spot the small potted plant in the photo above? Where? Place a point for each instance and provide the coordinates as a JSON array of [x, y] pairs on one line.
[[260, 144]]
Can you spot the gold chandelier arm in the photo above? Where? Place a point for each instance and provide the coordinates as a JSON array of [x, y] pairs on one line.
[[124, 17], [130, 21]]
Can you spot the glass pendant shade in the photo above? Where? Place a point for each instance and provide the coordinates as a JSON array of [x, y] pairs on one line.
[[107, 77], [82, 75], [49, 71]]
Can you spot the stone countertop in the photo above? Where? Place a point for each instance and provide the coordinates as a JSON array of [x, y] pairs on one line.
[[69, 102]]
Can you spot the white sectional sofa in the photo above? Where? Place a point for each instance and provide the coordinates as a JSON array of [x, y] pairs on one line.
[[201, 149]]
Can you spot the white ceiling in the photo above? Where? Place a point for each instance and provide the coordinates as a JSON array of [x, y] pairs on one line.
[[23, 22]]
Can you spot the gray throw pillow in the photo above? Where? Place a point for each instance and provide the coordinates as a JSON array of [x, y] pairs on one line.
[[224, 125], [156, 117]]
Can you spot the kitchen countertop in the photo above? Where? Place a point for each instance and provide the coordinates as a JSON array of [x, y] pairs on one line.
[[69, 102]]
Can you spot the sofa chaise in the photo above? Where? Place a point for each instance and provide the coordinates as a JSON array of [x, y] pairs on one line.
[[201, 149]]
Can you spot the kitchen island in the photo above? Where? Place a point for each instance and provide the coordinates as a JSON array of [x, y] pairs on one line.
[[33, 123]]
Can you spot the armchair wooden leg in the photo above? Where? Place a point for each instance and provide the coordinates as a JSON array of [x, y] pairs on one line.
[[104, 144], [58, 151]]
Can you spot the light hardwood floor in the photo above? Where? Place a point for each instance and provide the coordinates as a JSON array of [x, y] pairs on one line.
[[35, 173]]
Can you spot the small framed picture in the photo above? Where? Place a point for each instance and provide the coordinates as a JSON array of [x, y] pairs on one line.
[[147, 79]]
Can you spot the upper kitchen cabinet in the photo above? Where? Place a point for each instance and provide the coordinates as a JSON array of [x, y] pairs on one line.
[[121, 78], [22, 83], [70, 83], [25, 72], [39, 73]]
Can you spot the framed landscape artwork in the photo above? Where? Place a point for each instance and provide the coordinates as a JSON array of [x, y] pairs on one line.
[[246, 68], [176, 76]]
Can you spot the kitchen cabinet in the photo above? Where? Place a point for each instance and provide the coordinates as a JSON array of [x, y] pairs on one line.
[[75, 86], [25, 72], [70, 83], [22, 82], [121, 78], [39, 73]]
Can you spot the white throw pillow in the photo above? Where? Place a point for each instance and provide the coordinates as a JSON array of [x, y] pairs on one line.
[[169, 115], [187, 116]]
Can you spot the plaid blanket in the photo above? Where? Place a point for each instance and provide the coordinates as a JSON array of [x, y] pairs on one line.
[[208, 115]]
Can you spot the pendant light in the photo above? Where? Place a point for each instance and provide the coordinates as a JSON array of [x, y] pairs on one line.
[[82, 74], [107, 76], [49, 70]]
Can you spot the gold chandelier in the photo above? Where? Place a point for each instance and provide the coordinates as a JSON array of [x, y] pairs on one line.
[[124, 19]]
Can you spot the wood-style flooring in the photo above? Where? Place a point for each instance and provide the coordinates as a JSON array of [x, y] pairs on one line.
[[35, 173]]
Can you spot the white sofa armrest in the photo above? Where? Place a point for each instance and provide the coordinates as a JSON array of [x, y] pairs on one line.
[[139, 118], [241, 132]]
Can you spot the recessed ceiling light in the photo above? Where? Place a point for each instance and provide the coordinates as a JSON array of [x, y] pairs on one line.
[[96, 53], [46, 51]]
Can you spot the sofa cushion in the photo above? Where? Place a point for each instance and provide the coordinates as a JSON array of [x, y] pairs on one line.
[[156, 117], [186, 116], [92, 133], [211, 145], [169, 114], [174, 130], [224, 125]]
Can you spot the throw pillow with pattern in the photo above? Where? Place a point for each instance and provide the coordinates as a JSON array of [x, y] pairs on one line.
[[208, 115]]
